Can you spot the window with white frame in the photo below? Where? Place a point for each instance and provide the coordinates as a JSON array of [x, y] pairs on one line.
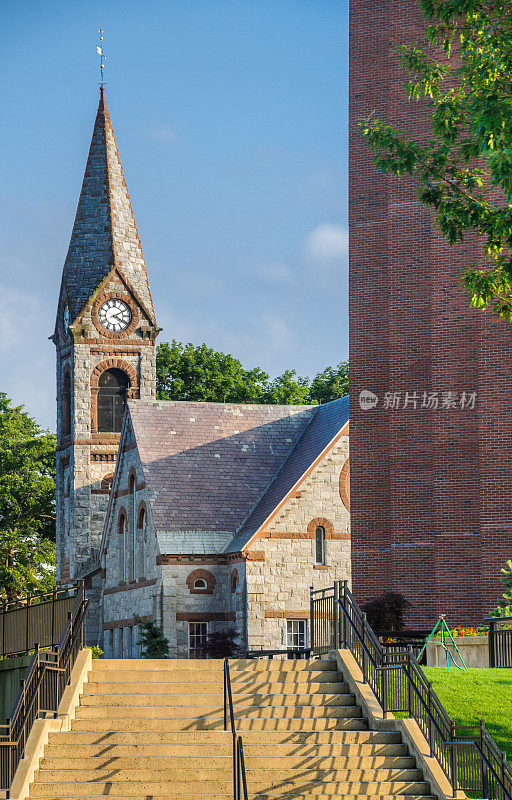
[[197, 633], [320, 545], [296, 633], [200, 583]]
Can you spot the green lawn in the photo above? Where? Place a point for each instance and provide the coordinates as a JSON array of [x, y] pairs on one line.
[[486, 693]]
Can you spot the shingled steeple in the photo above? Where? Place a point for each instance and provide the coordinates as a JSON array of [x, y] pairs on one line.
[[104, 233], [106, 351]]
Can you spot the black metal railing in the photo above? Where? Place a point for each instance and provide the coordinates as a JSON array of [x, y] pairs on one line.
[[500, 641], [469, 756], [239, 778], [42, 688], [35, 618]]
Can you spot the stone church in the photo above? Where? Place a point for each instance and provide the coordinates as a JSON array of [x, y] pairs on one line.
[[199, 516]]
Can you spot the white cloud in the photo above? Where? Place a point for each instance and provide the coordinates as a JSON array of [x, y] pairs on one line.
[[326, 244], [274, 273], [164, 134]]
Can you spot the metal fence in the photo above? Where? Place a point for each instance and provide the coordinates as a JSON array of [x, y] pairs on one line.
[[36, 618], [469, 756], [500, 641], [43, 686]]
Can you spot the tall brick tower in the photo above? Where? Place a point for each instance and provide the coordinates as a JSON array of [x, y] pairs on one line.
[[105, 338], [432, 488]]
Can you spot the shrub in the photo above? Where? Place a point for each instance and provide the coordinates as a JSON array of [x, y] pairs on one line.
[[387, 613], [152, 639], [221, 644], [97, 652], [504, 607]]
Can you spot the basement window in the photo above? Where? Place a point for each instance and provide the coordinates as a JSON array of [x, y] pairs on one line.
[[197, 633], [200, 583], [296, 633]]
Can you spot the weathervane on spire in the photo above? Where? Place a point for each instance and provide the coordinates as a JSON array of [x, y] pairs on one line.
[[103, 58]]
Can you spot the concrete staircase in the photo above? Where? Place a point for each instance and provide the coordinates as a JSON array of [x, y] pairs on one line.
[[153, 730]]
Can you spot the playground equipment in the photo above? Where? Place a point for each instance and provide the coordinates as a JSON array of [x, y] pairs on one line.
[[443, 633]]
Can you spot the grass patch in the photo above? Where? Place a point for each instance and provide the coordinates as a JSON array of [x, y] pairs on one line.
[[468, 696]]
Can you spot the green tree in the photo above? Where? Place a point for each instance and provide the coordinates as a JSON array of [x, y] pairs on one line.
[[186, 372], [463, 71], [27, 503], [288, 390], [189, 372], [504, 607], [152, 639], [329, 384]]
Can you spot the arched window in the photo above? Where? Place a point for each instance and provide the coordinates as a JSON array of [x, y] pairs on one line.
[[320, 545], [112, 392], [200, 583], [66, 404], [141, 542], [121, 530], [130, 544]]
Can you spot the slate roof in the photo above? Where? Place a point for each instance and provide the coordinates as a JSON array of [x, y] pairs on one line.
[[328, 420], [104, 232], [213, 469]]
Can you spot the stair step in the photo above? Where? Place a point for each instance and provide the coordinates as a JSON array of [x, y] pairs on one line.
[[210, 700], [106, 726], [172, 688], [279, 738], [228, 795], [158, 676], [202, 773], [207, 750], [309, 761], [203, 788], [215, 712]]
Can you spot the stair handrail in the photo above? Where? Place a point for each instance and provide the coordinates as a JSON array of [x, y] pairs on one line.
[[41, 691], [414, 694], [239, 776]]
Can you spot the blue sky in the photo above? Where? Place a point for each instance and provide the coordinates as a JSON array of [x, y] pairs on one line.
[[231, 121]]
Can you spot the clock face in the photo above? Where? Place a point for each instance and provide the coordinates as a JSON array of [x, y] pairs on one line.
[[115, 315]]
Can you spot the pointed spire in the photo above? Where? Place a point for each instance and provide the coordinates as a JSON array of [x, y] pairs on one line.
[[104, 233]]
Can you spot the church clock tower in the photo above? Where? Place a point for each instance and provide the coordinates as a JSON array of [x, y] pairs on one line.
[[105, 338]]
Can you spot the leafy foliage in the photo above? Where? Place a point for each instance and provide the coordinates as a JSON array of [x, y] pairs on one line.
[[27, 504], [189, 372], [152, 639], [221, 644], [463, 71], [504, 606], [387, 613], [330, 384]]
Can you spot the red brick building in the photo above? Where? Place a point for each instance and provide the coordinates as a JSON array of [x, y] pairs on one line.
[[432, 478]]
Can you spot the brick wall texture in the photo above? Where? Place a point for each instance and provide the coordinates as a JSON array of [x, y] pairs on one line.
[[431, 497]]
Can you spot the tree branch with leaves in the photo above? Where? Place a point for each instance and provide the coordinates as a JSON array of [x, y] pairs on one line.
[[463, 71]]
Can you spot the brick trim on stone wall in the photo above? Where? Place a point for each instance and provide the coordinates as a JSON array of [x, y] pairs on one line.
[[106, 485], [142, 507], [206, 575], [270, 614], [226, 558], [321, 522], [140, 584], [303, 535], [200, 616], [345, 484], [99, 369], [124, 623], [122, 514]]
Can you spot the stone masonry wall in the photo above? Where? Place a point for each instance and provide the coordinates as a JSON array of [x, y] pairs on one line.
[[282, 565], [125, 591]]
